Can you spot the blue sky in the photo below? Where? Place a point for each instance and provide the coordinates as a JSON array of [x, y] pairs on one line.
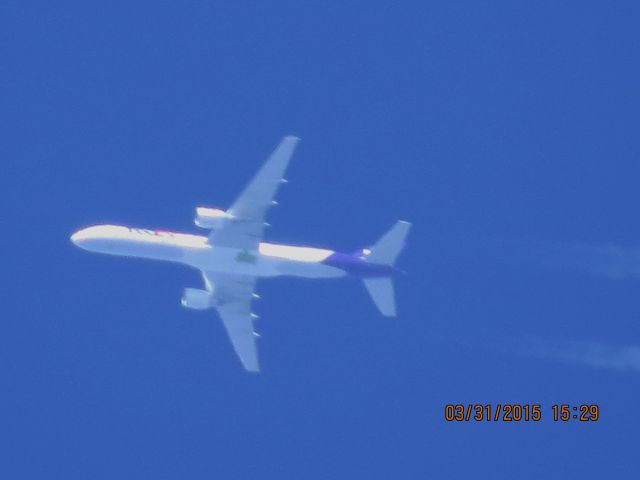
[[505, 131]]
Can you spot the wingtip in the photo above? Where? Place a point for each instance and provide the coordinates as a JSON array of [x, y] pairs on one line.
[[251, 365], [404, 225]]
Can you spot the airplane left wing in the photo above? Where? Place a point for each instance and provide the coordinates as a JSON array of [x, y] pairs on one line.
[[233, 295], [246, 228]]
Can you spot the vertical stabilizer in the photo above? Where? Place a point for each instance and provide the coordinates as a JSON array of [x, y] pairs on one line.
[[381, 291]]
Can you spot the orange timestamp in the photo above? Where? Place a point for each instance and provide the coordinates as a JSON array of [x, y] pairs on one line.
[[516, 412]]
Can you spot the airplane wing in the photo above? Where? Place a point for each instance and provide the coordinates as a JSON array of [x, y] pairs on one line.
[[246, 229], [233, 295]]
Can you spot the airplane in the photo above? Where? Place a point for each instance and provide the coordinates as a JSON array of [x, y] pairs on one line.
[[233, 256]]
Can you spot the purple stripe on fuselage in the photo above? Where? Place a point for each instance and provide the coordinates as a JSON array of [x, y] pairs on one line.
[[358, 266]]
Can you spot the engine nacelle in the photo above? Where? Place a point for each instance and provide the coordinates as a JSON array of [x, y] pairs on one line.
[[196, 299], [211, 218]]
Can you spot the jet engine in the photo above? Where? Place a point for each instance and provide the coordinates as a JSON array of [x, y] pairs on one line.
[[196, 299], [211, 218]]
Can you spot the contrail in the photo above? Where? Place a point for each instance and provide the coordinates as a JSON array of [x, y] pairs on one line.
[[610, 261], [626, 358]]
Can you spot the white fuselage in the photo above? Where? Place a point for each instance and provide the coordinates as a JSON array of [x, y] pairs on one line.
[[194, 250]]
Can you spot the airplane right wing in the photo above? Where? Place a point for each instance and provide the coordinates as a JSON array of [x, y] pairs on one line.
[[233, 295]]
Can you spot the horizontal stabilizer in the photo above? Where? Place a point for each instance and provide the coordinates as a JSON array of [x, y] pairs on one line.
[[387, 249], [381, 291]]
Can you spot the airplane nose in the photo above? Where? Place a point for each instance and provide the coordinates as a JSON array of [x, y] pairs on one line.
[[76, 238]]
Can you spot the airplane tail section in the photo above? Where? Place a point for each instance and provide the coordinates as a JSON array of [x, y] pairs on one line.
[[389, 246], [381, 291], [385, 252]]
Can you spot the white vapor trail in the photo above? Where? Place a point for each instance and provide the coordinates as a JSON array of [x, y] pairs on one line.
[[611, 261], [592, 354]]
